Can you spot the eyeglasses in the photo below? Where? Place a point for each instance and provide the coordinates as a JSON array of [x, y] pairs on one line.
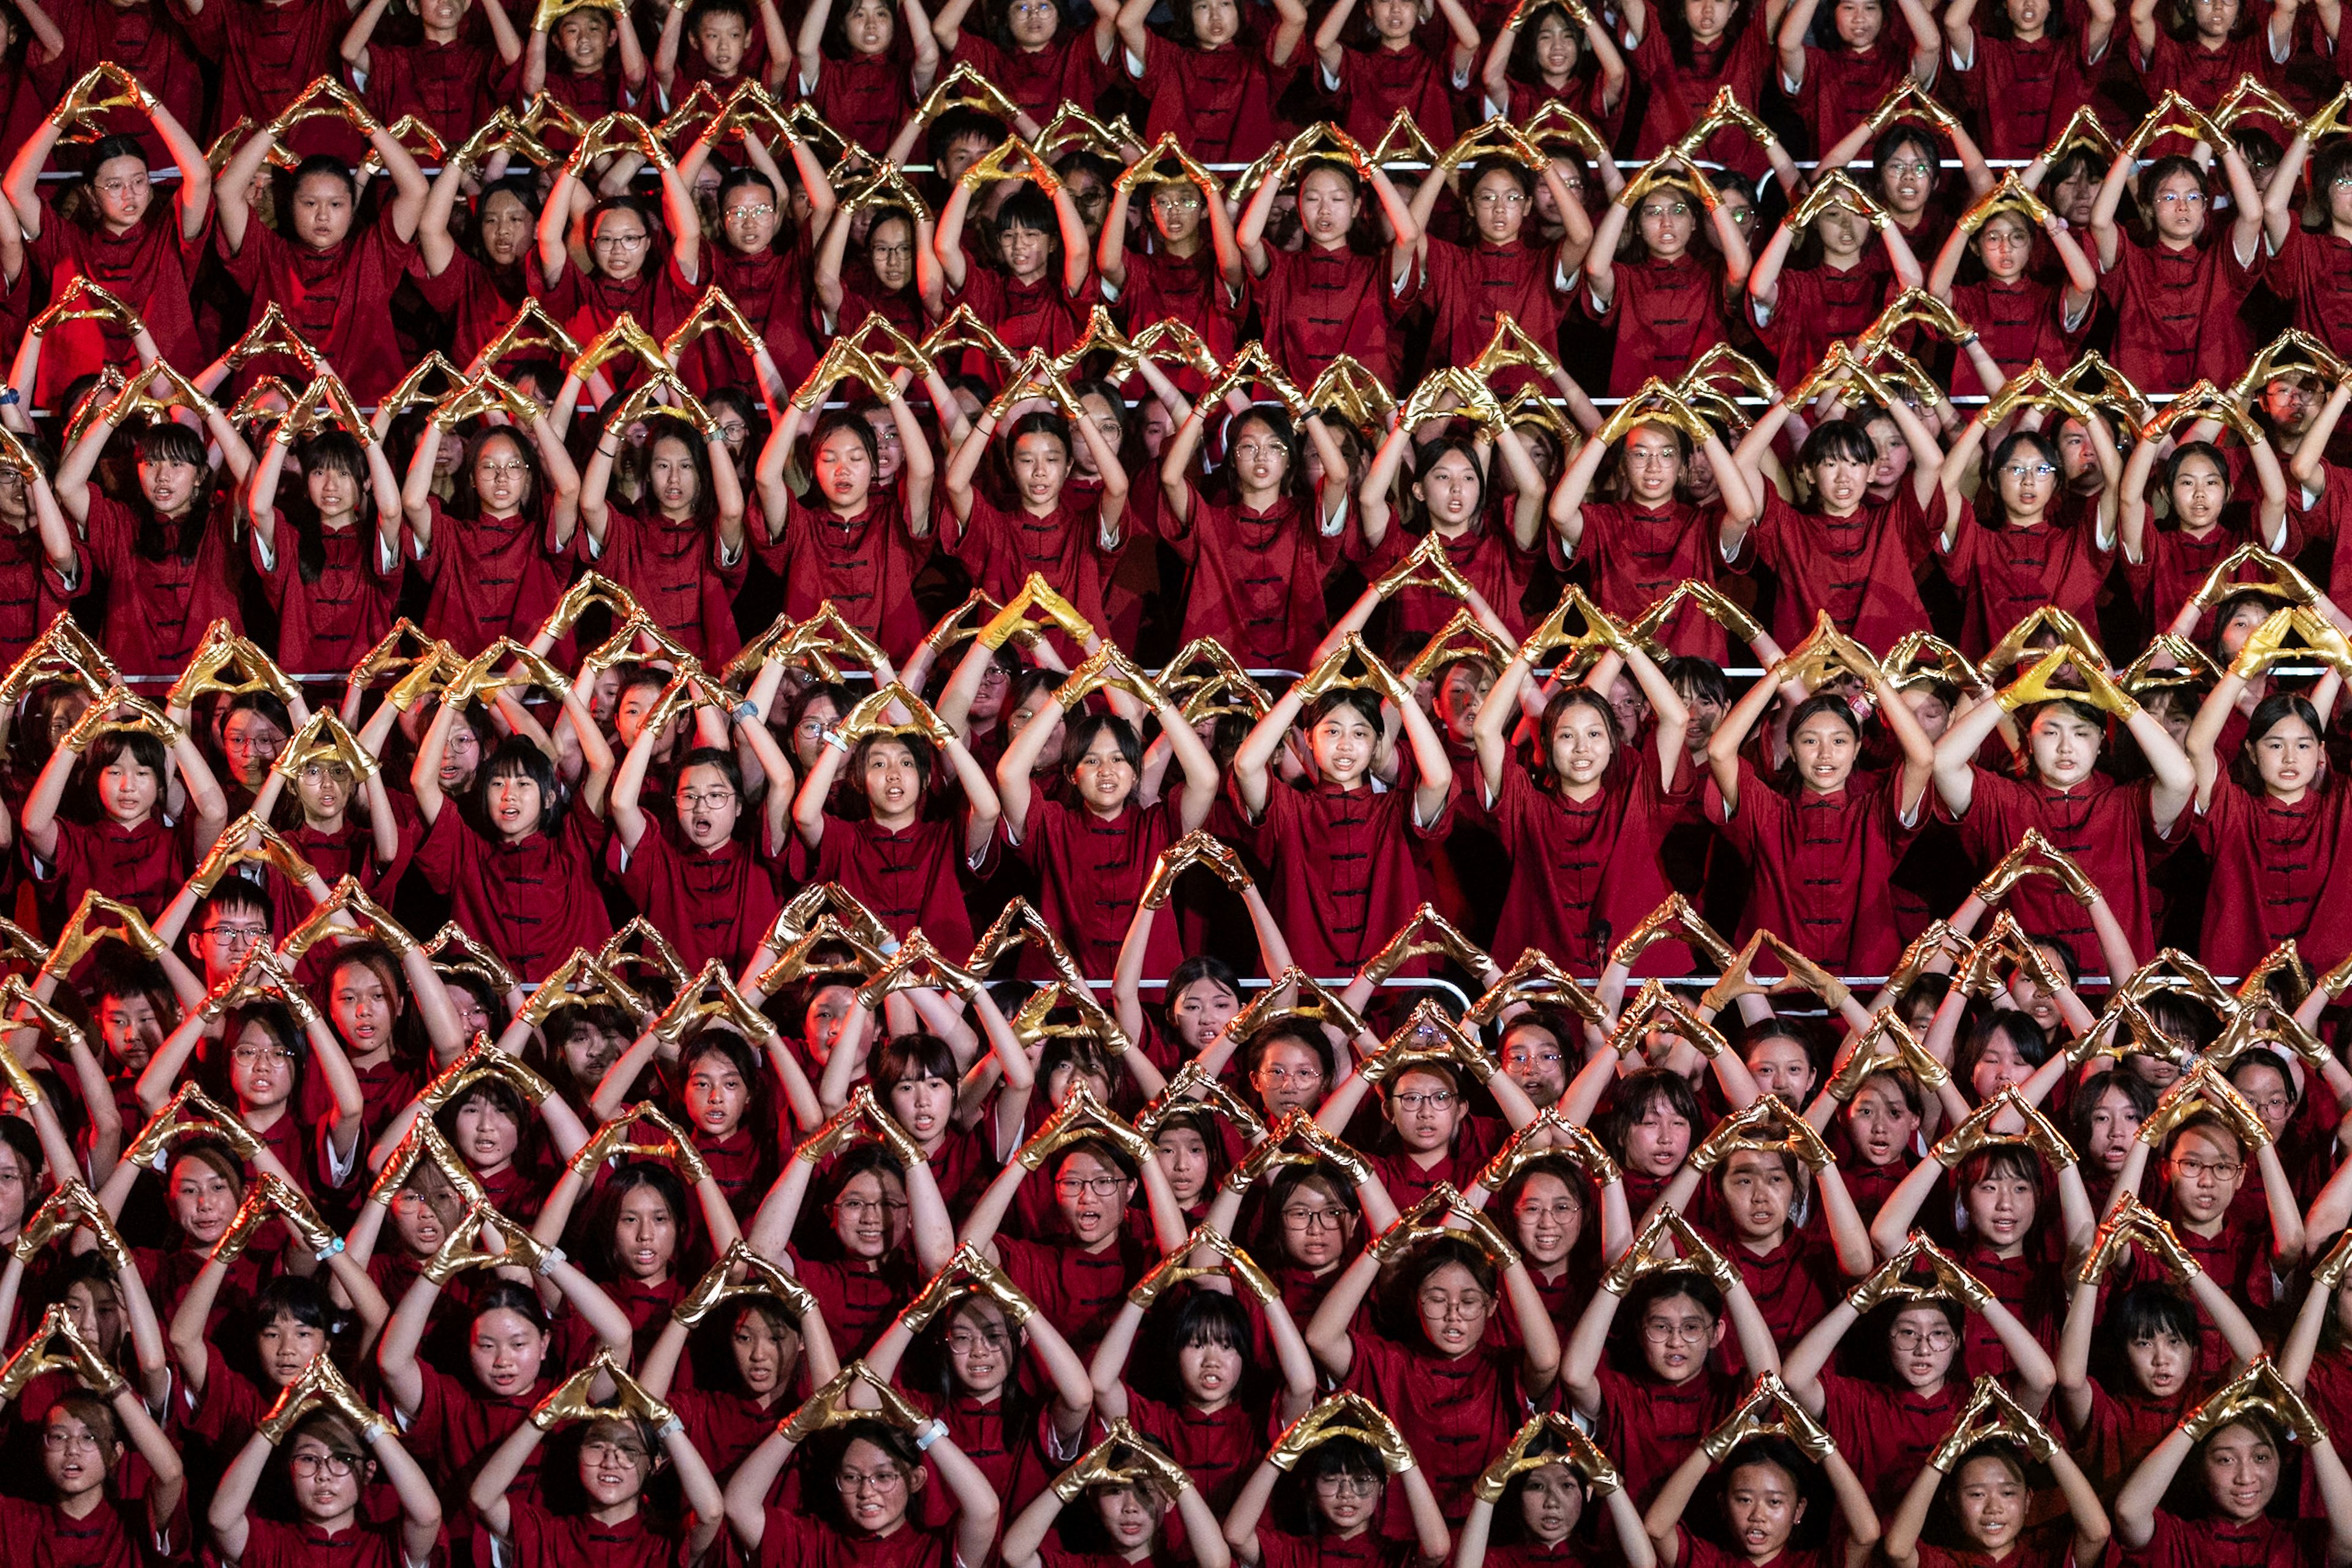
[[1532, 1058], [2028, 470], [963, 1341], [2181, 198], [1424, 1099], [1659, 1331], [2272, 1106], [849, 1483], [1281, 1076], [900, 252], [2203, 1171], [1912, 166], [59, 1442], [1348, 1486], [1666, 210], [1097, 1186], [704, 799], [752, 209], [257, 1056], [121, 187], [1501, 198], [338, 1465], [1907, 1338], [236, 936], [1469, 1304], [619, 241], [1306, 1218], [859, 1208], [1178, 201], [503, 470], [603, 1450]]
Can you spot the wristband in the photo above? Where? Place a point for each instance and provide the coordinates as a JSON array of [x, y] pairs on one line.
[[931, 1435], [669, 1428], [10, 397], [549, 1259], [329, 1250], [833, 738], [746, 712]]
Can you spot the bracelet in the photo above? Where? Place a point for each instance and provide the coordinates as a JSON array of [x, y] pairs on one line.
[[10, 397], [835, 738], [549, 1259], [329, 1250], [931, 1435]]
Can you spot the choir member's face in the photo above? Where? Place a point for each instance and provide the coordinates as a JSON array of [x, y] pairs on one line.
[[259, 1069], [123, 192], [1741, 208], [1033, 23], [1547, 1218], [2242, 1468], [1824, 748], [1178, 209], [1999, 1065], [75, 1459], [765, 1354], [1091, 194], [1451, 490], [870, 26], [501, 476], [923, 1105], [1210, 1371], [588, 1050], [2028, 17], [721, 40], [169, 487], [2200, 490], [619, 244], [980, 1346], [1039, 708], [1880, 1123], [1093, 1196], [203, 1201], [716, 1098], [2289, 757], [1653, 464], [1667, 222], [1537, 1063], [515, 806], [1394, 20], [1260, 460], [1289, 1078], [1908, 178], [874, 1488], [1461, 694], [844, 472], [2180, 204], [1843, 230], [1327, 207], [1657, 1144], [1707, 18], [322, 211], [2005, 245], [1106, 421], [1842, 482], [1184, 1155], [1128, 1514], [708, 807], [130, 1030], [1990, 1498], [2077, 192], [808, 732], [97, 1313], [889, 446], [748, 216], [1758, 1190], [2286, 398], [584, 37], [2001, 1206], [2268, 1091], [1894, 457], [1041, 467], [2065, 744], [870, 1217], [362, 1008], [1858, 23], [828, 1013], [671, 475], [1347, 1502], [484, 1135], [1928, 709], [2160, 1363], [441, 17], [1920, 1346], [506, 1350], [2215, 19], [250, 740], [323, 1496], [286, 1346], [1343, 742], [1581, 746], [16, 502], [1782, 1067], [1201, 1010], [324, 788], [2205, 1167], [645, 1235], [424, 1210], [1763, 1505], [1425, 1109], [2113, 1126], [1317, 1226], [1215, 23], [1677, 1336], [1557, 45], [613, 1466], [1551, 1501]]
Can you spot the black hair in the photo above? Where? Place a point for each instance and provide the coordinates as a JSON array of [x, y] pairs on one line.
[[2144, 1311], [511, 1295], [466, 502], [168, 441], [1694, 676], [1556, 707], [1638, 1092], [669, 428], [956, 124], [1846, 438], [1821, 702], [145, 750], [838, 419], [1366, 704], [232, 894], [604, 1219], [1031, 208], [2275, 709], [910, 1057], [2152, 178], [1664, 1285], [1080, 733], [714, 757], [606, 205], [2091, 1090], [338, 451], [1436, 452], [325, 164], [1043, 422]]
